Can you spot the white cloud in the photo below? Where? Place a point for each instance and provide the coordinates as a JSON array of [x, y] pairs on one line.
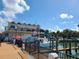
[[2, 23], [76, 28], [1, 29], [66, 16], [58, 28], [10, 20], [11, 8], [67, 22], [1, 20]]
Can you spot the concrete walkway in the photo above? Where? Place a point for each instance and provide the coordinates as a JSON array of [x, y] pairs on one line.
[[9, 51]]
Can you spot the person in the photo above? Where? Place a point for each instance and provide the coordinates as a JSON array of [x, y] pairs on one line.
[[19, 42], [14, 41], [23, 47]]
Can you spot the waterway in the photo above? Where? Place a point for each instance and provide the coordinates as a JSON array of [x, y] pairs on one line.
[[60, 45]]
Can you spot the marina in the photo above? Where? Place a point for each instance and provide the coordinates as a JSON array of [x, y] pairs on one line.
[[39, 29], [64, 52]]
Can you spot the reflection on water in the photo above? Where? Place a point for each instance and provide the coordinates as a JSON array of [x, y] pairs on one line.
[[72, 51], [75, 54]]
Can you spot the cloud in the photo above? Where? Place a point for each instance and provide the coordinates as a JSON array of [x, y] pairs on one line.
[[11, 8], [67, 22], [1, 29], [57, 28], [66, 16], [76, 27], [2, 22]]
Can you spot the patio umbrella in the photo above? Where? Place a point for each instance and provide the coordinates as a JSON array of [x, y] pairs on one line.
[[18, 37]]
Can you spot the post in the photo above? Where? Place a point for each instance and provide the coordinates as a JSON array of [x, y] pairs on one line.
[[52, 44], [38, 42], [63, 42], [70, 48], [38, 47], [75, 46], [57, 44]]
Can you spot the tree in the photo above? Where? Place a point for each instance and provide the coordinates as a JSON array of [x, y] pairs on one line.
[[12, 22], [46, 33], [68, 33], [59, 34], [19, 23], [78, 25]]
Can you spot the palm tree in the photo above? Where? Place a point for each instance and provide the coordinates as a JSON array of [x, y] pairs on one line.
[[46, 33], [78, 25], [19, 23], [12, 22]]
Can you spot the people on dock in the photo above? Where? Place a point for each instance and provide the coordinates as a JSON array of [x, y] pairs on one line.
[[19, 42], [14, 41]]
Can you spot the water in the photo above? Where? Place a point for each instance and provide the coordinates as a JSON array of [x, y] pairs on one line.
[[47, 45], [74, 53]]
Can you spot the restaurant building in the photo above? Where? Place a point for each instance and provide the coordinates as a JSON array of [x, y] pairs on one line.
[[23, 29]]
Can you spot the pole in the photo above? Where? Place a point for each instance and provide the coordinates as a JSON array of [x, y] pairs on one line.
[[57, 44], [76, 45], [38, 48], [38, 42]]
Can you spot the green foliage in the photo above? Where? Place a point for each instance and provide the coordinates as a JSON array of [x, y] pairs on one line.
[[66, 34]]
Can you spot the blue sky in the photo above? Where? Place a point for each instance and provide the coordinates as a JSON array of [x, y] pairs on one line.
[[50, 14]]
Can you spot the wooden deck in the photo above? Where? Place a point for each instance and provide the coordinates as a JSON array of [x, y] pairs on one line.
[[9, 51]]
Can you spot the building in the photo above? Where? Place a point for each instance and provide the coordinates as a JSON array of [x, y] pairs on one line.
[[21, 29]]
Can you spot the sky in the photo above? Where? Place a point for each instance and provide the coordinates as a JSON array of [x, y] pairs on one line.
[[49, 14]]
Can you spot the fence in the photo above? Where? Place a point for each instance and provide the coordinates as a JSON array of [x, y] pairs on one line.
[[66, 56]]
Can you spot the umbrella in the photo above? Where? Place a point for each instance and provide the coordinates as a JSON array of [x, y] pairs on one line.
[[18, 37]]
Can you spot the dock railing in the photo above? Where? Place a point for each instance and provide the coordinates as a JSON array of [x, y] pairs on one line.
[[66, 56]]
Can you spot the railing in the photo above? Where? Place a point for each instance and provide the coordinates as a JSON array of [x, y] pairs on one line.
[[35, 47], [66, 56]]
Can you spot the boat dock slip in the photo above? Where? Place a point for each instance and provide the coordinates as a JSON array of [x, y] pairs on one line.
[[9, 51]]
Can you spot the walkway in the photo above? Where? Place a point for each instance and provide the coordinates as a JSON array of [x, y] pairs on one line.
[[8, 51]]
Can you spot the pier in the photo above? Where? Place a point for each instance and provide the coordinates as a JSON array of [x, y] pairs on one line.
[[34, 48], [9, 51]]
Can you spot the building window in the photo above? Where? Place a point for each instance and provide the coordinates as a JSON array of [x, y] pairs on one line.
[[12, 27]]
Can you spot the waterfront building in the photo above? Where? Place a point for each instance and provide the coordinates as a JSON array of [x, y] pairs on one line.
[[21, 29]]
